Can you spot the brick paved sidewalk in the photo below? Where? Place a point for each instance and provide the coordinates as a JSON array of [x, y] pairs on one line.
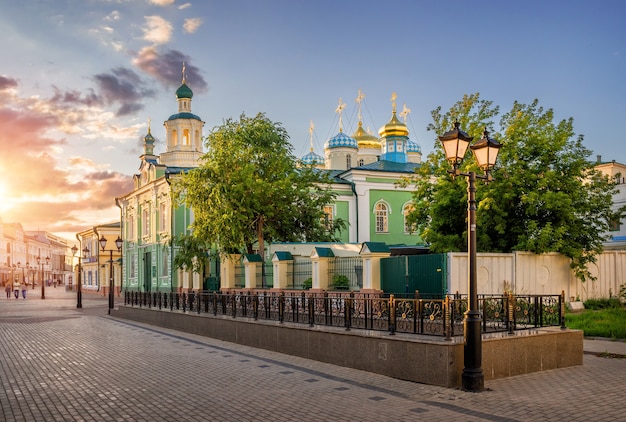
[[60, 363]]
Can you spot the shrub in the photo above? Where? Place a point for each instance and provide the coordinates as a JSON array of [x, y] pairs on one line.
[[602, 303], [307, 284], [341, 282]]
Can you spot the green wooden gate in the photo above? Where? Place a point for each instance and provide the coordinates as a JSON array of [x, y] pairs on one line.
[[403, 275]]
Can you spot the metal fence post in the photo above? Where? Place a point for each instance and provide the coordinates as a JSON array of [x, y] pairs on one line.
[[562, 309], [392, 315], [311, 310], [255, 305], [447, 318], [347, 311], [510, 319]]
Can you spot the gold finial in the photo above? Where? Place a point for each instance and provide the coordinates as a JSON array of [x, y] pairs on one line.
[[405, 112], [311, 128], [184, 78], [339, 110], [393, 101], [149, 121], [358, 100]]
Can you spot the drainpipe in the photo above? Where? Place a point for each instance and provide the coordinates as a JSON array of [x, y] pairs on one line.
[[356, 205]]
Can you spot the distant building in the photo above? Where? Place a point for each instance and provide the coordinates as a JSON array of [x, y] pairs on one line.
[[95, 263], [31, 256], [617, 172]]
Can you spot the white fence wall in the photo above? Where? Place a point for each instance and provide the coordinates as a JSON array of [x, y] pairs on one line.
[[525, 272]]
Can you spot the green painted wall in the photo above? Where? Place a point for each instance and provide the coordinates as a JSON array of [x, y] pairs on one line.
[[395, 200], [342, 210]]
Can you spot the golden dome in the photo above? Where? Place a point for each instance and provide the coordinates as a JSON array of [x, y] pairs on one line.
[[364, 139], [394, 128]]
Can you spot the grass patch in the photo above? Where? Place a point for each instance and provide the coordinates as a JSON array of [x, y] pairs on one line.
[[607, 322]]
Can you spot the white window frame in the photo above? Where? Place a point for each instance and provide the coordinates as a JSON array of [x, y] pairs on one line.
[[381, 217]]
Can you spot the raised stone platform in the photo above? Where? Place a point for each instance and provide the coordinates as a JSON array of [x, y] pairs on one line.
[[419, 358]]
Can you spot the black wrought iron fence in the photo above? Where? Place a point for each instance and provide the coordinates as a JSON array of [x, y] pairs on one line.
[[437, 317]]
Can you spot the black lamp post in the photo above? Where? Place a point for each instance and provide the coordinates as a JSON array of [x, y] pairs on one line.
[[79, 292], [118, 244], [455, 144], [43, 282]]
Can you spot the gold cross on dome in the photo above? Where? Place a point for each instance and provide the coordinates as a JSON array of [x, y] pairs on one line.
[[339, 110], [394, 96], [358, 100], [405, 112]]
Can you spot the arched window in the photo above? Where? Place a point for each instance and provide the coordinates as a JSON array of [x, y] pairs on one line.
[[406, 210], [382, 217], [174, 137], [348, 161], [186, 137]]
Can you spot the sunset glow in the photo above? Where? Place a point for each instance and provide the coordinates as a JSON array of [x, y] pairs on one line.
[[77, 90]]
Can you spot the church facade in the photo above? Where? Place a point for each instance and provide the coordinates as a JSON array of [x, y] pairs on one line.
[[148, 216], [365, 169]]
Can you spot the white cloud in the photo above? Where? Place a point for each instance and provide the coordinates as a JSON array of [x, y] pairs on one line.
[[157, 30], [191, 25], [162, 2], [113, 16], [184, 6]]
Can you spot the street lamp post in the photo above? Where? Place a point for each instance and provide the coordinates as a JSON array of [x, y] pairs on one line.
[[118, 244], [79, 292], [455, 144], [43, 282]]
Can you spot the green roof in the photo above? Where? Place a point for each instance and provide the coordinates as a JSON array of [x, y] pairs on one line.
[[324, 252], [375, 247], [390, 166], [252, 257], [184, 115], [283, 256]]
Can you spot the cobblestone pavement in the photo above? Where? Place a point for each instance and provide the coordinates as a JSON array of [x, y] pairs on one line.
[[60, 363]]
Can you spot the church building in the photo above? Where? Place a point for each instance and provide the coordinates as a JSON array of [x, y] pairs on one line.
[[366, 169], [149, 217]]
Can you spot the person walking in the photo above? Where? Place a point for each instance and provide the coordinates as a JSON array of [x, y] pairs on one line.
[[8, 288], [16, 289], [24, 286]]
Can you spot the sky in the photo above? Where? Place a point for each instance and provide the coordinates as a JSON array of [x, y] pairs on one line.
[[81, 79]]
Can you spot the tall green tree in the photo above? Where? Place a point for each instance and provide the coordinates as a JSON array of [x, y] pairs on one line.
[[248, 189], [546, 195]]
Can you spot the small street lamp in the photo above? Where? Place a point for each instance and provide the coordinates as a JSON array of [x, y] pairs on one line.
[[118, 244], [455, 144], [79, 292], [43, 283]]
